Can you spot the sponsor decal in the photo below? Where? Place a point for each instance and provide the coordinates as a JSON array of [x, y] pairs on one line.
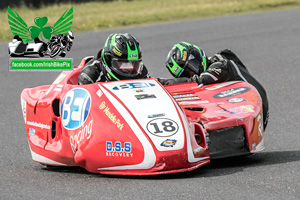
[[236, 117], [198, 150], [145, 96], [156, 115], [191, 102], [168, 143], [232, 92], [187, 98], [23, 105], [162, 127], [84, 134], [184, 55], [140, 90], [111, 115], [108, 75], [176, 70], [133, 56], [38, 124], [217, 71], [99, 92], [31, 131], [75, 108], [221, 85], [182, 95], [236, 100], [133, 85], [118, 149], [238, 110], [118, 53], [260, 126], [58, 88], [217, 103]]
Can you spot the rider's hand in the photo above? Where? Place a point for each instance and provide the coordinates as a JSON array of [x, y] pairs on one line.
[[216, 58]]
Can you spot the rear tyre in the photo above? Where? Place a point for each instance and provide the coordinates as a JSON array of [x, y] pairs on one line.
[[55, 51]]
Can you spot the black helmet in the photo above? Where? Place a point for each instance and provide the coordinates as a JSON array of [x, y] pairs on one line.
[[122, 57], [185, 60]]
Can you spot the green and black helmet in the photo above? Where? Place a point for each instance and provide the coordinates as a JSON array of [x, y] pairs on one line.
[[122, 57], [185, 60]]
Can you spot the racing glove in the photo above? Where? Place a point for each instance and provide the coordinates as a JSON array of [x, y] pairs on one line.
[[216, 73], [89, 73]]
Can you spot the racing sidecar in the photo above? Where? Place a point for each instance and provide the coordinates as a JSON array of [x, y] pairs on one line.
[[139, 127], [17, 48]]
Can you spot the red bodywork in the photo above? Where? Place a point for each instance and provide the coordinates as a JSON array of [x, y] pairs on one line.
[[89, 126]]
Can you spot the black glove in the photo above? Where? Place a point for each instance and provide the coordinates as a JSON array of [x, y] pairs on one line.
[[216, 58], [89, 73]]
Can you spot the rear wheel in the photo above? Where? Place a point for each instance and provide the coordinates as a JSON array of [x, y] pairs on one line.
[[55, 51]]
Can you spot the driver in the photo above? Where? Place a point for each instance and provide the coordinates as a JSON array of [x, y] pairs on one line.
[[189, 63], [120, 59]]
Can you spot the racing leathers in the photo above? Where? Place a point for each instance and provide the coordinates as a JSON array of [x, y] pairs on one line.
[[225, 66], [94, 71]]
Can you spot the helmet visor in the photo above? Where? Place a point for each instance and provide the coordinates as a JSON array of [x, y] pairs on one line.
[[192, 67], [126, 67]]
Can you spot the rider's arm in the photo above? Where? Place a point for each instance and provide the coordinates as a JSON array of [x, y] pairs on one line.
[[216, 73], [89, 73]]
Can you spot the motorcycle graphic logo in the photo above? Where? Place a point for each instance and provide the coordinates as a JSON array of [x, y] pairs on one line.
[[47, 40]]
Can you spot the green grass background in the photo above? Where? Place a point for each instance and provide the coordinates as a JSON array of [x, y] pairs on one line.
[[95, 16]]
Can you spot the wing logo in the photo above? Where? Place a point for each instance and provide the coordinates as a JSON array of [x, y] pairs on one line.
[[48, 40], [19, 27]]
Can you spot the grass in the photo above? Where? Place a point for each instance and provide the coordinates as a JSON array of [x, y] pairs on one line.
[[105, 15]]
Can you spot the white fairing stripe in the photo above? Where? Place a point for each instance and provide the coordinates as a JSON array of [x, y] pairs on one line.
[[238, 71], [38, 158], [212, 76], [149, 156], [191, 157], [142, 110]]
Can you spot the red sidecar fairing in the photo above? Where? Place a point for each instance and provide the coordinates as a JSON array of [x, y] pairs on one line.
[[96, 127], [231, 113]]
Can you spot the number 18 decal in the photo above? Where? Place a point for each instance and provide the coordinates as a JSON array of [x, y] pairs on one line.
[[162, 127], [75, 108]]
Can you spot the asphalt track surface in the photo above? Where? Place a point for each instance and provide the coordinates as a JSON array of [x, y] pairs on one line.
[[268, 43]]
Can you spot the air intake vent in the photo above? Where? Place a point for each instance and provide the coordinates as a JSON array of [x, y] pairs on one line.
[[195, 109]]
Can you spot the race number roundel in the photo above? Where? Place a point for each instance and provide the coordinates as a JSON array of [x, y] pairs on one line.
[[162, 127], [75, 108]]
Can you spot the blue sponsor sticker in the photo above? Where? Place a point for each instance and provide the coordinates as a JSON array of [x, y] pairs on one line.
[[118, 147], [168, 143], [75, 108], [133, 85]]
